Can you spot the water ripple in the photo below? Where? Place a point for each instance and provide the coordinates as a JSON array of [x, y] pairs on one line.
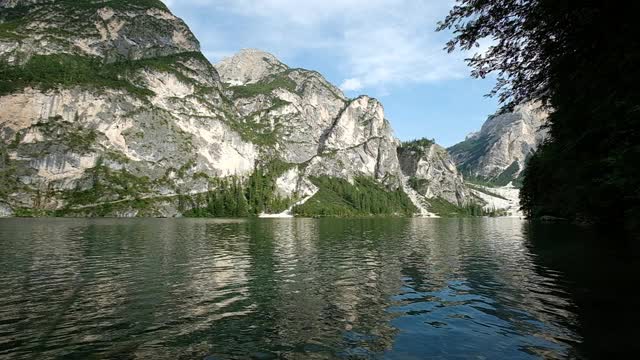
[[294, 288]]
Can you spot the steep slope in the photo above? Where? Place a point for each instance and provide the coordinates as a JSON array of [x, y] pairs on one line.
[[431, 172], [297, 116], [497, 153], [113, 30], [108, 108]]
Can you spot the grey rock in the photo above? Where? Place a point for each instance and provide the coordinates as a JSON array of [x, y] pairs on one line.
[[249, 66], [504, 143], [197, 123], [123, 32], [433, 173], [5, 210]]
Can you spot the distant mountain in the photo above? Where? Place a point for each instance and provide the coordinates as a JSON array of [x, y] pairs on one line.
[[498, 152], [108, 108]]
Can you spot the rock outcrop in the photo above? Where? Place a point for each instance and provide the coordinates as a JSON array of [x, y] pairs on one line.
[[109, 108], [431, 172], [113, 31], [498, 152], [300, 117]]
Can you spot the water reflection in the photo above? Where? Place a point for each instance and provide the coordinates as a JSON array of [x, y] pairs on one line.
[[304, 288]]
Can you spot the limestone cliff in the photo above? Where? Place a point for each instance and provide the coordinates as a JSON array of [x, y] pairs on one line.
[[431, 172], [109, 108], [107, 103], [497, 153]]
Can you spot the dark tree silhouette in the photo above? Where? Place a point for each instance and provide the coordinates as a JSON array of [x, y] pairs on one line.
[[581, 59]]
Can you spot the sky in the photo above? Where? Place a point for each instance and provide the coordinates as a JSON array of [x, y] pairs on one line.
[[387, 49]]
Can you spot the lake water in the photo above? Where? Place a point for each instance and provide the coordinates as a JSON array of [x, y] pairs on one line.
[[313, 289]]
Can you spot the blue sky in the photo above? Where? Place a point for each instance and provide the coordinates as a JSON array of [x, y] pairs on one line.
[[387, 49]]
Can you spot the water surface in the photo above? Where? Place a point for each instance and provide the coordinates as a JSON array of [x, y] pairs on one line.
[[308, 288]]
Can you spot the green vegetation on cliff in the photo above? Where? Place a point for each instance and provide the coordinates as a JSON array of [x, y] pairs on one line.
[[52, 71], [114, 4], [63, 70], [8, 180], [266, 86], [443, 208], [418, 146], [338, 197], [231, 197]]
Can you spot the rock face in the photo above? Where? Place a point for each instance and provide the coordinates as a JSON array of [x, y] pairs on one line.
[[499, 150], [116, 31], [118, 113], [432, 173], [249, 66]]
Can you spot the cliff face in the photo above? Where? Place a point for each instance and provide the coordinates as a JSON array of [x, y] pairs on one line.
[[112, 30], [109, 108], [499, 150], [432, 173], [122, 107], [298, 116]]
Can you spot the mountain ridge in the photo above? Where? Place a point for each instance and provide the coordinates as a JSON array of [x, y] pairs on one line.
[[498, 152], [153, 129]]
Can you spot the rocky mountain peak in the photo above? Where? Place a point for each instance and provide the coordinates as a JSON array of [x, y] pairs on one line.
[[432, 172], [113, 30], [110, 109], [498, 152], [249, 66]]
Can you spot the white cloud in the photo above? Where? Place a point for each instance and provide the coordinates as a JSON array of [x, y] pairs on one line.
[[351, 85], [373, 44]]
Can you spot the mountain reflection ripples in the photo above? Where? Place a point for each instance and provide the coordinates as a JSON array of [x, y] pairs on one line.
[[284, 288]]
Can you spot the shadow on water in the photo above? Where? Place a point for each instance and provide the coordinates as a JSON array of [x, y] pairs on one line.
[[600, 272], [308, 288]]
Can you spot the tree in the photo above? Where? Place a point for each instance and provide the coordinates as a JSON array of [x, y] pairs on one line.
[[242, 207], [580, 59]]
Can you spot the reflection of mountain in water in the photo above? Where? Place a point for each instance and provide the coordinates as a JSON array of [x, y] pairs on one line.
[[305, 288]]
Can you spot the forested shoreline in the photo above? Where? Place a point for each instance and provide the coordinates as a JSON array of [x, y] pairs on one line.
[[580, 60]]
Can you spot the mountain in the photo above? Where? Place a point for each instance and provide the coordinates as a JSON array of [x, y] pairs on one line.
[[431, 171], [498, 152], [108, 108]]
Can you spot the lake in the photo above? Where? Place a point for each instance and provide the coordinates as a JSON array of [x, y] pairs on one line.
[[478, 288]]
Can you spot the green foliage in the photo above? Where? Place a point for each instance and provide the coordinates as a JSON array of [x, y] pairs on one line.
[[418, 184], [338, 197], [8, 31], [51, 71], [259, 133], [107, 185], [261, 188], [10, 21], [444, 208], [226, 200], [72, 135], [266, 86], [477, 180], [232, 198], [327, 202], [8, 179], [32, 213], [64, 70], [418, 145], [470, 150], [484, 190], [580, 59], [114, 4], [508, 175]]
